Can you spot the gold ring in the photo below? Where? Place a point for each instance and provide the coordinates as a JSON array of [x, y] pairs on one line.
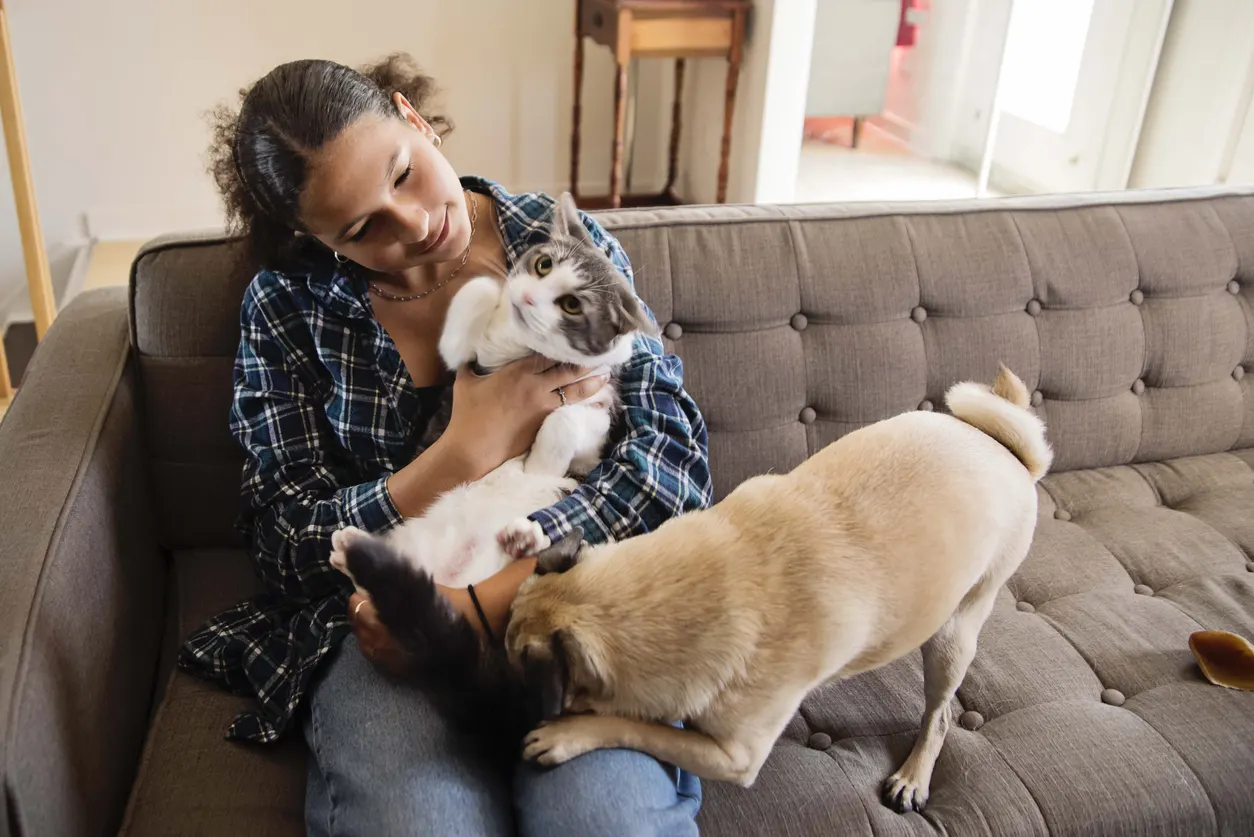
[[561, 391]]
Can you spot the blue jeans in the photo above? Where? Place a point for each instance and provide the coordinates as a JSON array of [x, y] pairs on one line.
[[384, 763]]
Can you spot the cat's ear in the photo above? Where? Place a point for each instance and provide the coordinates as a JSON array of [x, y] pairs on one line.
[[566, 220], [634, 317], [561, 556]]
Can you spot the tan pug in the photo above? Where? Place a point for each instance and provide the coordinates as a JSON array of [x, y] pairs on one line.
[[893, 538]]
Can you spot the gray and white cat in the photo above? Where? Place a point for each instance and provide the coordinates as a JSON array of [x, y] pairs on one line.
[[563, 300]]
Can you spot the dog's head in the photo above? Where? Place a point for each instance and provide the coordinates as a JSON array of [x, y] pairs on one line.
[[551, 641]]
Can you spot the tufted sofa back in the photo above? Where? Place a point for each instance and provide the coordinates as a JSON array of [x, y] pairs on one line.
[[1131, 318]]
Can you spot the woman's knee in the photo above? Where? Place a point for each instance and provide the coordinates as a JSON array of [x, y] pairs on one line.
[[383, 761], [607, 792]]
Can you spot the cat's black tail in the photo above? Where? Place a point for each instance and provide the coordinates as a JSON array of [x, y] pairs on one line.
[[469, 681]]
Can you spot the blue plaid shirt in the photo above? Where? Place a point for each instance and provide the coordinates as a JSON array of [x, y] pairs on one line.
[[325, 412]]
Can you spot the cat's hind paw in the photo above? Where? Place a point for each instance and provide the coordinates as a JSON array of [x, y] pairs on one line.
[[523, 539], [341, 540]]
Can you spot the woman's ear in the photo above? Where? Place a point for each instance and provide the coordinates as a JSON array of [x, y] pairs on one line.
[[410, 115]]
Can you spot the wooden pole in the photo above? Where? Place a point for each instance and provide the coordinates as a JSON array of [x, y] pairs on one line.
[[38, 277], [6, 383], [576, 111]]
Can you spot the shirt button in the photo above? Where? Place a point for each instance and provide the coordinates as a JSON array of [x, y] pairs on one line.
[[674, 331]]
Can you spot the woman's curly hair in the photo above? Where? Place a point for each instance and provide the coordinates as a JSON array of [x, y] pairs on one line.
[[259, 156]]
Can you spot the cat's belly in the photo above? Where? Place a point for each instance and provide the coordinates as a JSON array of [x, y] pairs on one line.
[[456, 540]]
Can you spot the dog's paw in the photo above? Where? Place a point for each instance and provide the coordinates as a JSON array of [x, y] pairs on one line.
[[523, 539], [903, 794], [556, 742], [341, 540]]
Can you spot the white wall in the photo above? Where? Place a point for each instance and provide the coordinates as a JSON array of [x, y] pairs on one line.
[[1195, 113], [770, 110], [115, 94]]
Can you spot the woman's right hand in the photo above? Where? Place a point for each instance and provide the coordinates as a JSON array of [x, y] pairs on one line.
[[496, 417]]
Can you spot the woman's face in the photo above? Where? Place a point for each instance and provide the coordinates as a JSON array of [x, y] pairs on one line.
[[383, 195]]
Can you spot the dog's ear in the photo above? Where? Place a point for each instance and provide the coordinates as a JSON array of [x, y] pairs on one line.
[[546, 671], [561, 556]]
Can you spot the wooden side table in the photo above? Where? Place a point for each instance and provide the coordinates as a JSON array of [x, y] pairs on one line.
[[678, 29]]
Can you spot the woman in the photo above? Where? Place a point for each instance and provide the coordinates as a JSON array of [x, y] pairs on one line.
[[346, 416]]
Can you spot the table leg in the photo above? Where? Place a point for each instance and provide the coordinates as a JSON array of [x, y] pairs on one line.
[[729, 109], [576, 109], [616, 157], [672, 169]]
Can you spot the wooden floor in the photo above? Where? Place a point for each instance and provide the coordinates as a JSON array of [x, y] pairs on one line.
[[109, 266]]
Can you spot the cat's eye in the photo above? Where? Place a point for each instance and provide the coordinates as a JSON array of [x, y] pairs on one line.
[[570, 304], [543, 265]]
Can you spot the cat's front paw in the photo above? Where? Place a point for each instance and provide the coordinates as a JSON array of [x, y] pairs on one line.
[[523, 539], [341, 540]]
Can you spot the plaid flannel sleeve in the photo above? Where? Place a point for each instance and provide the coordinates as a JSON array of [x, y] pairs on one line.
[[296, 494], [660, 467]]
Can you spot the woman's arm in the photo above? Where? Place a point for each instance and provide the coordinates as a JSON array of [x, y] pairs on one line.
[[660, 468]]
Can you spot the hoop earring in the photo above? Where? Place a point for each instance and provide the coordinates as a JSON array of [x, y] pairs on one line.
[[435, 138], [339, 258]]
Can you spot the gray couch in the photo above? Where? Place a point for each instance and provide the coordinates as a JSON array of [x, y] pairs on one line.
[[1130, 317]]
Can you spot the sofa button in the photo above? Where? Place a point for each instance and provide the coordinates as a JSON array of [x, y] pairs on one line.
[[971, 720], [926, 406], [1114, 697], [1062, 514], [918, 314], [1234, 287], [1025, 607], [674, 331], [1238, 373], [1138, 387], [799, 322], [1143, 590], [808, 415], [1250, 566], [1038, 398], [1034, 307], [820, 741], [1136, 297]]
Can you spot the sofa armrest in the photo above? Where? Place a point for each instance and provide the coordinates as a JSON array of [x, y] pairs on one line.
[[82, 579]]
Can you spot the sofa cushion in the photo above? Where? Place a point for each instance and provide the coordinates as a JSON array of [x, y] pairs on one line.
[[1083, 711], [191, 780], [1131, 317]]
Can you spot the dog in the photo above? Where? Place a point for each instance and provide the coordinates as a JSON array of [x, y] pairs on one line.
[[895, 537]]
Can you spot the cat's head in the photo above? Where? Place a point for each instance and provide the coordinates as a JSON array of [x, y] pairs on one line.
[[572, 302]]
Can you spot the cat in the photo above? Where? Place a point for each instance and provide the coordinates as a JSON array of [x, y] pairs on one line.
[[563, 300]]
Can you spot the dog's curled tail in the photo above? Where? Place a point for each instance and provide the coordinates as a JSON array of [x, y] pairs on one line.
[[1002, 412]]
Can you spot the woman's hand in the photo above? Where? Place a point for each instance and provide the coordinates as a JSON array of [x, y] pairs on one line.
[[496, 417], [495, 593], [373, 637]]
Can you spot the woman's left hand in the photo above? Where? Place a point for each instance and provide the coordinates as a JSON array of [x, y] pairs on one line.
[[373, 636]]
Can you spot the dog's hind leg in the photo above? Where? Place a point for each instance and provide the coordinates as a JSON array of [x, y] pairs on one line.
[[946, 657]]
